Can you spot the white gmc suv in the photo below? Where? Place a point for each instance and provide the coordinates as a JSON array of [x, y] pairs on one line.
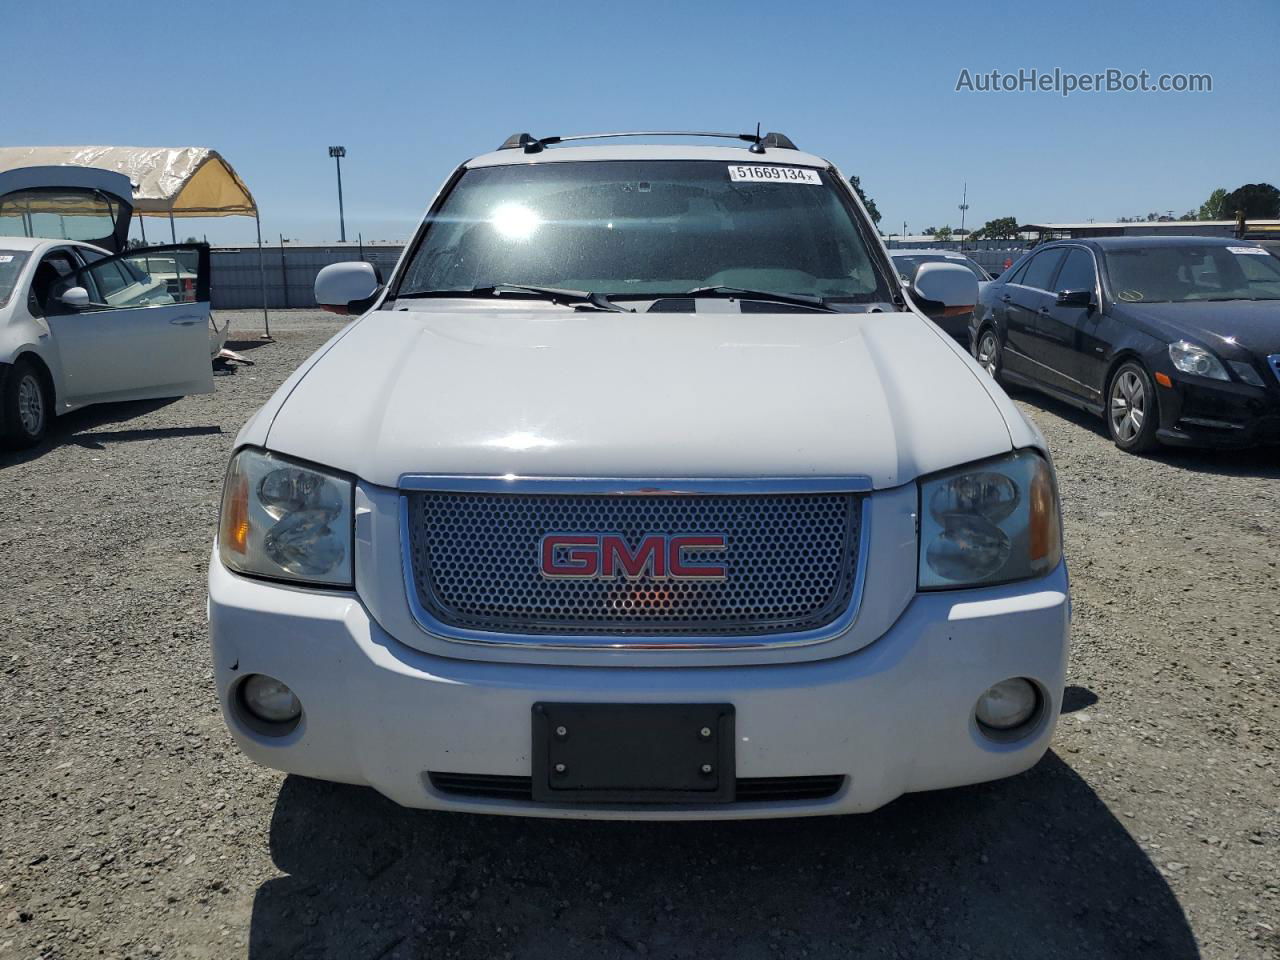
[[641, 489]]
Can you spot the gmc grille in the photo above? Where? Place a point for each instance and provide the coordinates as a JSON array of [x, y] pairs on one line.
[[790, 564]]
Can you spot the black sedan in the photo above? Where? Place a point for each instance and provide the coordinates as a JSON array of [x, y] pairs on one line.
[[1170, 339]]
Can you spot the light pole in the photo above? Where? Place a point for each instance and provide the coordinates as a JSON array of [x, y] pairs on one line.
[[338, 153], [964, 207]]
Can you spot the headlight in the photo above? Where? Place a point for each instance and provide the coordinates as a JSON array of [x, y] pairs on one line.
[[1190, 358], [989, 522], [1245, 372], [285, 520]]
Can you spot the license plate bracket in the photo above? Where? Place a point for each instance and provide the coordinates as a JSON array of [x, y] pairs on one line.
[[633, 752]]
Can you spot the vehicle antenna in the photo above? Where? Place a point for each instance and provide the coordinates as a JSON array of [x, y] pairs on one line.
[[758, 146]]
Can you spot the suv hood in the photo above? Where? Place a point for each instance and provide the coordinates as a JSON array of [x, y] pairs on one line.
[[552, 392]]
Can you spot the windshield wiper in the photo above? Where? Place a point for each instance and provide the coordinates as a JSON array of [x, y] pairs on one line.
[[795, 299], [578, 299]]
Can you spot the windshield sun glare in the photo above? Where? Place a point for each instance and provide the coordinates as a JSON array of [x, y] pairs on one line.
[[637, 228]]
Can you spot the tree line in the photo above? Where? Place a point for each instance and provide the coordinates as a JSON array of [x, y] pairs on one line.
[[1256, 201]]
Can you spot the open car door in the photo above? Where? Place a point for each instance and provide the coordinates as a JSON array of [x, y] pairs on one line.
[[134, 326]]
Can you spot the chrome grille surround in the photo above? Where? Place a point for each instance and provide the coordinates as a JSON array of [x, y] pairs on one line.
[[814, 528]]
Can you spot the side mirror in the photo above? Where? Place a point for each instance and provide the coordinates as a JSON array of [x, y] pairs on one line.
[[947, 289], [1075, 298], [77, 298], [347, 288]]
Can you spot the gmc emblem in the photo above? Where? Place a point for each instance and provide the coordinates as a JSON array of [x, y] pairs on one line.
[[605, 556]]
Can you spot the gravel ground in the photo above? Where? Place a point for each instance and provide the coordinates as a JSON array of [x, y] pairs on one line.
[[130, 826]]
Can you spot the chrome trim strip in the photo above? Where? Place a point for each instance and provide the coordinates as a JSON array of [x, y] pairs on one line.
[[541, 641], [631, 486]]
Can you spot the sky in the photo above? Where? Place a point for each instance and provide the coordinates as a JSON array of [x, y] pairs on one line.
[[413, 89]]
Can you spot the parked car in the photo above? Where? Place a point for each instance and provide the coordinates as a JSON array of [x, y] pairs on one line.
[[80, 322], [179, 279], [79, 326], [1171, 340], [908, 263], [812, 564]]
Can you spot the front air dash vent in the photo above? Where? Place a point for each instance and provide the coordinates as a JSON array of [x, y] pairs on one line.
[[790, 789], [483, 786], [488, 786]]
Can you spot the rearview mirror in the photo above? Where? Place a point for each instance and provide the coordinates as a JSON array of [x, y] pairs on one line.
[[946, 289], [347, 288], [1075, 298], [77, 298]]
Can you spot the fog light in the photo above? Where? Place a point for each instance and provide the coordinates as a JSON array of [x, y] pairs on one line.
[[1009, 704], [270, 700]]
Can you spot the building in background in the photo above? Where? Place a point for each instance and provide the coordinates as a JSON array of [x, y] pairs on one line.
[[1145, 228]]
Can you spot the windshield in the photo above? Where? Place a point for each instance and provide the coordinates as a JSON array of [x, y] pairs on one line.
[[11, 262], [1186, 272], [643, 228], [908, 267]]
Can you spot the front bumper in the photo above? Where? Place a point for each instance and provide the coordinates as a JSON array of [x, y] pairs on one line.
[[1213, 413], [891, 718]]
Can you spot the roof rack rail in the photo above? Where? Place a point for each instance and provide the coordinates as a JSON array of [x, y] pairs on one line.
[[531, 144]]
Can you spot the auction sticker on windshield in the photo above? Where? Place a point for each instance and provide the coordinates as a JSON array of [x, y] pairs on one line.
[[754, 173], [1249, 251]]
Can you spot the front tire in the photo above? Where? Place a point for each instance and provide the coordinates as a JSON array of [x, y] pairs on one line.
[[1133, 413], [25, 406], [989, 353]]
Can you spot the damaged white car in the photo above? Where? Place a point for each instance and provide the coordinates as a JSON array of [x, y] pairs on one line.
[[81, 321]]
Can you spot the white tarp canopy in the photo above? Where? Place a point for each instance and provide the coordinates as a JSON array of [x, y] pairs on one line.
[[167, 181]]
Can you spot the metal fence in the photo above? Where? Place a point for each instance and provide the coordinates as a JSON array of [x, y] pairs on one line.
[[995, 259], [290, 271], [991, 255]]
